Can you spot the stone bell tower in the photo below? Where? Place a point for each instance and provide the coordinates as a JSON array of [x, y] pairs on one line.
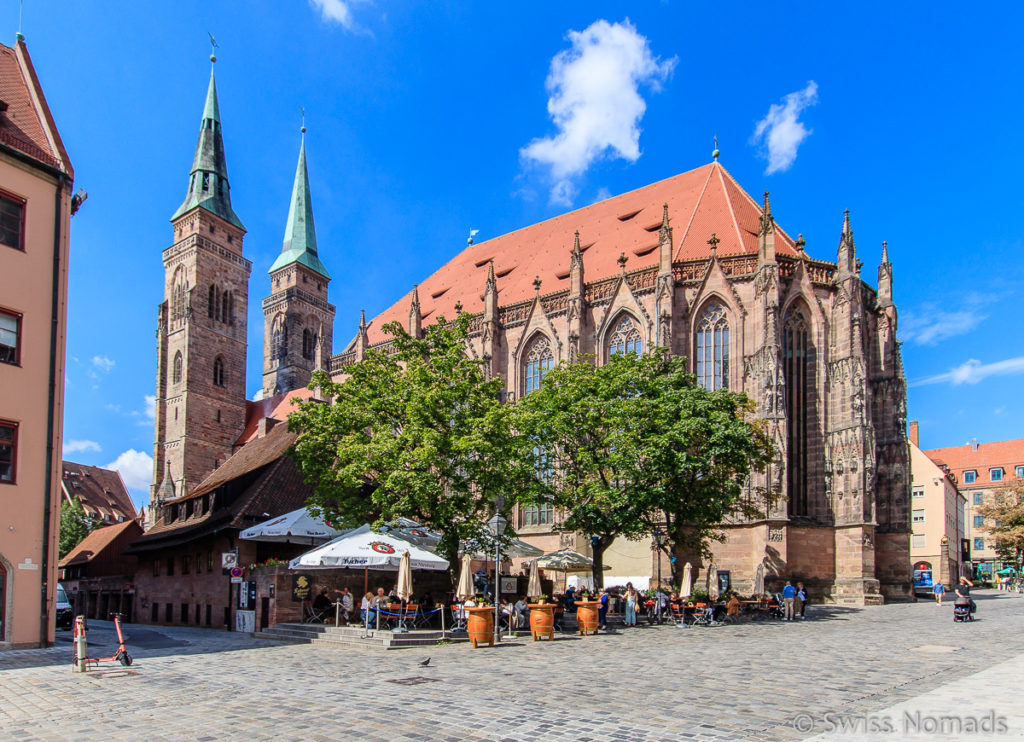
[[298, 320], [201, 332]]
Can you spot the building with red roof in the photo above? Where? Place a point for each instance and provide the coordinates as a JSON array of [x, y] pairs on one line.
[[36, 183]]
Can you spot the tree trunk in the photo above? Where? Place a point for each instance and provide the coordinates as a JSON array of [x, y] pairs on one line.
[[598, 544]]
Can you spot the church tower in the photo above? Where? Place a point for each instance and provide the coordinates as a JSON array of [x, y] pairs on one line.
[[298, 321], [201, 333]]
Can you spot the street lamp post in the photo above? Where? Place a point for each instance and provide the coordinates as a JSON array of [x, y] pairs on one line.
[[659, 541], [497, 526]]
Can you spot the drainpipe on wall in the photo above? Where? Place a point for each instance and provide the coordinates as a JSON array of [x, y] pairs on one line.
[[44, 619]]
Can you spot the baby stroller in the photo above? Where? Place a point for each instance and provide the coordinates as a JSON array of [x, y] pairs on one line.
[[963, 610]]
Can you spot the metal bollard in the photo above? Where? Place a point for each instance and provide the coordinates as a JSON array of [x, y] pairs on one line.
[[81, 647]]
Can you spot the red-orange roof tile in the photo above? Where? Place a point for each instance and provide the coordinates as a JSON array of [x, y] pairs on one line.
[[1007, 455], [27, 124], [700, 202], [277, 407], [96, 542]]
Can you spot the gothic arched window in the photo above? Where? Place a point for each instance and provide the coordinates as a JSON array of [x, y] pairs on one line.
[[179, 288], [625, 337], [176, 374], [211, 310], [218, 371], [539, 361], [796, 365], [308, 344], [713, 348], [279, 339]]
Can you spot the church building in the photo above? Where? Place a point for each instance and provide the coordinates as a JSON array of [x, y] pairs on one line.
[[691, 263], [695, 265]]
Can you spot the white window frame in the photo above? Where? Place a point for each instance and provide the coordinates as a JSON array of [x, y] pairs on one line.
[[917, 516]]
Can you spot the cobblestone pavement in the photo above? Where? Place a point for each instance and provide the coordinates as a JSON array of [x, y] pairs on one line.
[[745, 682]]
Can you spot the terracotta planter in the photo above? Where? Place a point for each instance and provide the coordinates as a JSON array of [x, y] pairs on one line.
[[480, 625], [542, 620], [586, 615]]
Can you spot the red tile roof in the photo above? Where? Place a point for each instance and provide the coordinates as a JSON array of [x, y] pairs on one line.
[[276, 408], [1005, 454], [700, 202], [27, 124], [96, 542], [100, 491]]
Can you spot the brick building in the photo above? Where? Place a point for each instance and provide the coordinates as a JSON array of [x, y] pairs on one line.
[[98, 575], [36, 179], [982, 471]]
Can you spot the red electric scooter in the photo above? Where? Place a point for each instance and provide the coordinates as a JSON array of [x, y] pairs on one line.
[[121, 655]]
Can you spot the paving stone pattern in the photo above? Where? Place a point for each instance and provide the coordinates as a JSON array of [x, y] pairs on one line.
[[744, 682]]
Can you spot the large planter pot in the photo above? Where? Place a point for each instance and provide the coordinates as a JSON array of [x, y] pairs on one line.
[[586, 615], [480, 625], [542, 620]]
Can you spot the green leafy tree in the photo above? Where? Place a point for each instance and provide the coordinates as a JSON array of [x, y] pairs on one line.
[[415, 431], [1004, 520], [75, 525], [636, 444]]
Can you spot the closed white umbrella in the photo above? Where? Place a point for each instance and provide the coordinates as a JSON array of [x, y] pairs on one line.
[[712, 582], [405, 577], [686, 589], [533, 588], [464, 590], [362, 548]]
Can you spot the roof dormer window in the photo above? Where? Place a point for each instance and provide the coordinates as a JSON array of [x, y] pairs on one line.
[[995, 474], [970, 476]]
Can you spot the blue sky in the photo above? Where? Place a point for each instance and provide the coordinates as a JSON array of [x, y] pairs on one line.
[[427, 119]]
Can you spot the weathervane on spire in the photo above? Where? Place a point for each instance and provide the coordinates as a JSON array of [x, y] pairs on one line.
[[716, 153], [303, 112], [472, 234], [213, 45]]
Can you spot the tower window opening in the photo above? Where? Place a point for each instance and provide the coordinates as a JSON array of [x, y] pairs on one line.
[[218, 371]]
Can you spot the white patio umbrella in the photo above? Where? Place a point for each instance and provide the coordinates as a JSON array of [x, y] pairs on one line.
[[686, 589], [414, 533], [405, 577], [482, 547], [464, 590], [296, 527], [362, 548], [712, 582], [533, 588]]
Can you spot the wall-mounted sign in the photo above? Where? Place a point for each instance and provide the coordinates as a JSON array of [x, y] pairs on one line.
[[302, 587]]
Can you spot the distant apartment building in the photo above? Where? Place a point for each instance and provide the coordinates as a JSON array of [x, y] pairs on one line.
[[982, 471], [35, 210], [937, 512]]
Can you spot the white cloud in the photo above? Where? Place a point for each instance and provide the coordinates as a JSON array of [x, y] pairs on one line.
[[151, 406], [78, 446], [103, 364], [974, 371], [603, 194], [136, 468], [335, 11], [594, 100], [780, 133], [933, 322]]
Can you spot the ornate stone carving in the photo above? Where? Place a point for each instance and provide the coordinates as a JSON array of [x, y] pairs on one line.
[[775, 534]]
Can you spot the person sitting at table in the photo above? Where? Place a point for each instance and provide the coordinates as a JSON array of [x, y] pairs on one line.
[[570, 600], [426, 603], [732, 608], [366, 609], [522, 612], [393, 595], [322, 604]]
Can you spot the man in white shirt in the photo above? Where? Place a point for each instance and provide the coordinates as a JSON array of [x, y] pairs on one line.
[[347, 603]]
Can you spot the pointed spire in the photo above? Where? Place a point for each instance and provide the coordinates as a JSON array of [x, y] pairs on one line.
[[767, 220], [362, 320], [491, 294], [299, 244], [492, 282], [166, 489], [208, 185], [576, 283], [885, 278], [362, 336], [415, 319], [665, 244], [847, 253]]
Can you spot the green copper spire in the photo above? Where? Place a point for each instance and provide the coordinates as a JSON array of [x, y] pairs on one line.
[[208, 182], [300, 233]]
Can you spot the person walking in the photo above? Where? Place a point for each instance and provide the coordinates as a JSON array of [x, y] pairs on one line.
[[801, 595], [939, 590], [602, 612], [789, 600]]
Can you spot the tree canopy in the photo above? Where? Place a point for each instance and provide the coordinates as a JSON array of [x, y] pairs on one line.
[[415, 431], [75, 525], [1007, 522], [636, 444]]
